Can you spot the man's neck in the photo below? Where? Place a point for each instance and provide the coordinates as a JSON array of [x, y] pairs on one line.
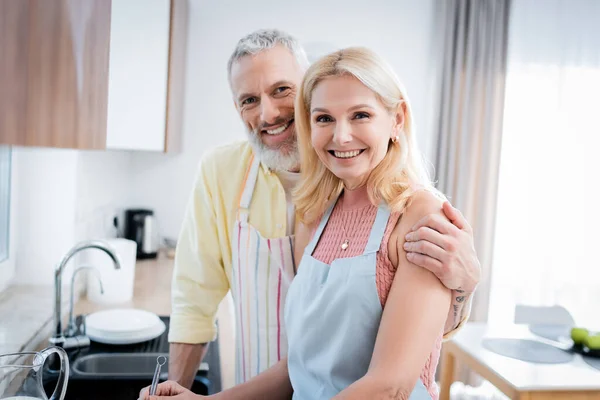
[[294, 170], [289, 171]]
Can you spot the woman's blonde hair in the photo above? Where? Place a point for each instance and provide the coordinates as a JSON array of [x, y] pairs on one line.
[[402, 169]]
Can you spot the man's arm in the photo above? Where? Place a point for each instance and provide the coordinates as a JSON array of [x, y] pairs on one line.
[[184, 360], [445, 246], [199, 280], [459, 312]]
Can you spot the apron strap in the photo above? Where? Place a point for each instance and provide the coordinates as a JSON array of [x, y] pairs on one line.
[[248, 191], [378, 229], [313, 243]]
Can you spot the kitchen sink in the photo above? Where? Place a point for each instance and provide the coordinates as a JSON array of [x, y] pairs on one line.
[[117, 364], [114, 376], [94, 388], [121, 365], [119, 372]]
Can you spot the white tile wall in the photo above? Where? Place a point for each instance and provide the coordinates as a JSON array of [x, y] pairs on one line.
[[64, 196]]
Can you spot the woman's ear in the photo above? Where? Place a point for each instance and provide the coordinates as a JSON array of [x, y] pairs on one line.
[[399, 118]]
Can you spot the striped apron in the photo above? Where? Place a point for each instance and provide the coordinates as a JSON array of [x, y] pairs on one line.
[[263, 269]]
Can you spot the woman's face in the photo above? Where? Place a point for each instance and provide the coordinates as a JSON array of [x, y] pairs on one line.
[[351, 128]]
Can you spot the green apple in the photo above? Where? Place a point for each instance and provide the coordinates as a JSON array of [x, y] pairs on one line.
[[579, 335], [592, 342]]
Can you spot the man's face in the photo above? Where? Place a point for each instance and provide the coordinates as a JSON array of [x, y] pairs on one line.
[[264, 89]]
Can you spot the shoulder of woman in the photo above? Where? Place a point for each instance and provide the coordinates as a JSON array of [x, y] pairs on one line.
[[419, 204], [423, 202]]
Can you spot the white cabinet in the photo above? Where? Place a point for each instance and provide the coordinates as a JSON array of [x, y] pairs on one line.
[[138, 73], [146, 64]]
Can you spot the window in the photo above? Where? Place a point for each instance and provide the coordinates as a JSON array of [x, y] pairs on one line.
[[5, 172], [548, 209]]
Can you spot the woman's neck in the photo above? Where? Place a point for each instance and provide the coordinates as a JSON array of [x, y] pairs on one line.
[[355, 198]]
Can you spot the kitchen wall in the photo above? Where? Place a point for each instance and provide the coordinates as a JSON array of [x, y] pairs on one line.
[[45, 213], [61, 197], [400, 30], [103, 191]]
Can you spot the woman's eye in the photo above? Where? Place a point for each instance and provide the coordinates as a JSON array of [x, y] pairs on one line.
[[361, 115], [323, 118]]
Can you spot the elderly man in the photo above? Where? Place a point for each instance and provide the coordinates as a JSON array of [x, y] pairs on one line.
[[238, 229]]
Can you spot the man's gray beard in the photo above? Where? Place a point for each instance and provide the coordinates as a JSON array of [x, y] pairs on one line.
[[275, 159]]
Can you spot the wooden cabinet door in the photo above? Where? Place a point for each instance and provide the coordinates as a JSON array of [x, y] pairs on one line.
[[54, 72]]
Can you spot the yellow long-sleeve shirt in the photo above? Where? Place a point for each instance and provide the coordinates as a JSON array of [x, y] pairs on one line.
[[203, 269], [203, 265]]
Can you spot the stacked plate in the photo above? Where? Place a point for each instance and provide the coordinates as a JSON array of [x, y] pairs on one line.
[[123, 326]]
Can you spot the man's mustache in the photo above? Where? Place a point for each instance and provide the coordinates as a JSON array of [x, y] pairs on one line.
[[279, 121]]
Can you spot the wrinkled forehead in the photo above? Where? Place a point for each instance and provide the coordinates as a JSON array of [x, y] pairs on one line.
[[257, 73]]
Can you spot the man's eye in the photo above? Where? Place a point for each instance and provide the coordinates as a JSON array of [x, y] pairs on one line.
[[249, 100], [282, 89]]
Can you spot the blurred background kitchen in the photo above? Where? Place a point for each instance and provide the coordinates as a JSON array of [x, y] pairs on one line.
[[106, 107]]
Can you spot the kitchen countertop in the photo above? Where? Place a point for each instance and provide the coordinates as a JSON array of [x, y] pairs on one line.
[[26, 312], [151, 292]]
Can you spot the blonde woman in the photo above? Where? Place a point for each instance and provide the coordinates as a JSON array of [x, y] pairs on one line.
[[362, 321]]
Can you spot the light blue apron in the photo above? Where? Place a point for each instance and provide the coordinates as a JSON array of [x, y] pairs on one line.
[[332, 316]]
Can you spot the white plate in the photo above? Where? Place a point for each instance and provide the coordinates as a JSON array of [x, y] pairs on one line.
[[558, 333], [150, 334], [123, 322]]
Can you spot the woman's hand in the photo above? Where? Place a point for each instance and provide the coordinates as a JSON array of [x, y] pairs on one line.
[[169, 390]]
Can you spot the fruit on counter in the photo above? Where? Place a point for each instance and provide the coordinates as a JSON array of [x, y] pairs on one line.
[[579, 335], [592, 341]]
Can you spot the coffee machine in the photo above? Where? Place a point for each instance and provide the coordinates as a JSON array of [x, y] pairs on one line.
[[140, 226]]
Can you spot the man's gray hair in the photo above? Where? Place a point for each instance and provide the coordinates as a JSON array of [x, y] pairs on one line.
[[264, 39]]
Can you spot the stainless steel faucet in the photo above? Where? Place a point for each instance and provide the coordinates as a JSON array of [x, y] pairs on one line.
[[59, 338], [72, 326]]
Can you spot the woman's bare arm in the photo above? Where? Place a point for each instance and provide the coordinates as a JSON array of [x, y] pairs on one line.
[[412, 321]]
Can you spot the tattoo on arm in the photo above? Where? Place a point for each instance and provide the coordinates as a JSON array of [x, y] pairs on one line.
[[459, 307], [461, 304]]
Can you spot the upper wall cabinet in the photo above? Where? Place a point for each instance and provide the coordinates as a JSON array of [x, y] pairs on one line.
[[92, 74], [54, 72]]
